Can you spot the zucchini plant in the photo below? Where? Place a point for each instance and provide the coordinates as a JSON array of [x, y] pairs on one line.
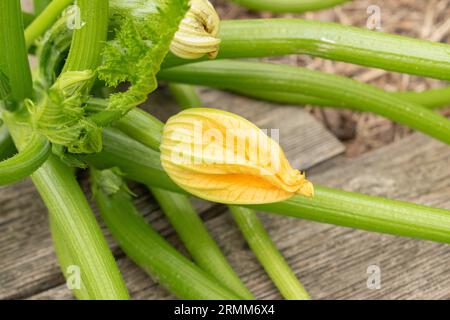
[[78, 108]]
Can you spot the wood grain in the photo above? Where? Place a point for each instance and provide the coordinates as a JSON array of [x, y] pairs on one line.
[[332, 261], [28, 266]]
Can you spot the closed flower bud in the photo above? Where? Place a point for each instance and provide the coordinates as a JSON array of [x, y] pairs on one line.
[[222, 157], [197, 33]]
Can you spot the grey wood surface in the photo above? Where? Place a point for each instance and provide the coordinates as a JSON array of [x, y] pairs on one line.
[[28, 267], [332, 261]]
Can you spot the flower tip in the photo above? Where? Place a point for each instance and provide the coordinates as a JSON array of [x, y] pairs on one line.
[[197, 33], [202, 152], [306, 189]]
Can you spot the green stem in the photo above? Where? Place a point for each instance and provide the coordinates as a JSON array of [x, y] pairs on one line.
[[431, 99], [68, 261], [198, 241], [368, 213], [13, 54], [184, 218], [288, 5], [40, 5], [268, 254], [45, 19], [229, 74], [136, 123], [31, 157], [27, 18], [147, 130], [7, 148], [77, 226], [277, 37], [349, 209], [88, 42], [151, 252], [139, 162], [247, 220], [185, 95]]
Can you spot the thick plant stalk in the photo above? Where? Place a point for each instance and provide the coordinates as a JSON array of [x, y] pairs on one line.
[[13, 55], [88, 42], [431, 99], [250, 225], [147, 130], [68, 262], [229, 74], [137, 161], [47, 16], [27, 18], [268, 254], [197, 240], [154, 254], [16, 86], [78, 229], [31, 157], [368, 213], [7, 148], [135, 123], [40, 5], [288, 5], [277, 37], [185, 95], [332, 206], [56, 183]]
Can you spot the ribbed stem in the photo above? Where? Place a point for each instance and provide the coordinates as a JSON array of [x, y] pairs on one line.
[[147, 130], [76, 227], [268, 254], [154, 254], [277, 37], [13, 54], [431, 99], [197, 240], [140, 163], [288, 5], [7, 148], [40, 5], [332, 206], [88, 42], [68, 261], [31, 157], [136, 123], [247, 220], [47, 15], [274, 77], [368, 213], [185, 95]]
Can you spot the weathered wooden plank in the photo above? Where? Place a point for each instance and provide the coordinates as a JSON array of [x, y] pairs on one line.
[[27, 262], [332, 261]]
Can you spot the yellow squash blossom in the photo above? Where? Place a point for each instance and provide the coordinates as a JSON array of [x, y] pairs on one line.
[[197, 34], [222, 157]]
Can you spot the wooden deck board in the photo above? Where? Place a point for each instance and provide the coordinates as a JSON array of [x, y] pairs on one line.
[[332, 261], [28, 267]]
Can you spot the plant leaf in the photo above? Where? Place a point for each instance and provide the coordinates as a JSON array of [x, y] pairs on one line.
[[138, 50]]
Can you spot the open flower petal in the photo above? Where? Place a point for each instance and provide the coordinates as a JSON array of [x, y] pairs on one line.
[[222, 157]]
